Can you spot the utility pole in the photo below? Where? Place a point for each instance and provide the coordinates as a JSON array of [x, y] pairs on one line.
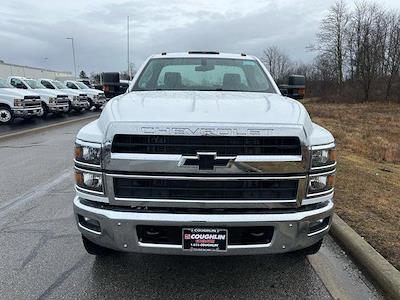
[[129, 67], [73, 53]]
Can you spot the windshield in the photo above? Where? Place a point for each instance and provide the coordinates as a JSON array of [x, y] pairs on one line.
[[34, 84], [59, 85], [4, 84], [82, 85], [203, 74]]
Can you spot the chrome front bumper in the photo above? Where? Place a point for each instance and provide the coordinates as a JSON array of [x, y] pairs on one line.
[[99, 101], [26, 112], [80, 104], [58, 107], [118, 229]]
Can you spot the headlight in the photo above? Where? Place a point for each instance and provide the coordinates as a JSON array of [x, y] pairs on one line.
[[323, 156], [89, 180], [320, 184], [52, 100], [95, 96], [18, 102], [89, 153], [75, 98]]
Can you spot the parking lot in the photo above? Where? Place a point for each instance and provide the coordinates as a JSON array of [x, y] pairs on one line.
[[24, 124], [43, 257]]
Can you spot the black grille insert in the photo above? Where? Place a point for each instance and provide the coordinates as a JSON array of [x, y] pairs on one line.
[[172, 235], [32, 97], [183, 189], [29, 104], [190, 145]]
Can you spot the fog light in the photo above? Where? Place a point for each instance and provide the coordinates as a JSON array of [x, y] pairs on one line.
[[318, 225], [89, 223]]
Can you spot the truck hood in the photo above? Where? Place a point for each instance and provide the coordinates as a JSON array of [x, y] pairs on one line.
[[70, 92], [48, 92], [16, 93], [91, 91], [213, 112]]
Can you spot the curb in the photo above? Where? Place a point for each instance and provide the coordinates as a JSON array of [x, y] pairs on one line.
[[46, 127], [376, 266]]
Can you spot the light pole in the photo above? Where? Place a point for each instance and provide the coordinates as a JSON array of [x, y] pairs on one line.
[[73, 53], [45, 60]]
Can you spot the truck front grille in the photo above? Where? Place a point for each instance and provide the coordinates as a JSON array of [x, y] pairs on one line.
[[190, 145], [32, 97], [62, 99], [210, 189], [29, 104]]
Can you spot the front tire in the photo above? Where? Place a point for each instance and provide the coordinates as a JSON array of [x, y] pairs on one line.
[[95, 249], [6, 115], [69, 107], [311, 250], [91, 104], [45, 110], [97, 106]]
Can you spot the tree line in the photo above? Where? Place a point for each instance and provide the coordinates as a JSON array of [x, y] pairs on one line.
[[358, 54]]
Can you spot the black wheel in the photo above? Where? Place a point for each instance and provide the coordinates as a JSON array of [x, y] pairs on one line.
[[95, 249], [91, 104], [69, 107], [97, 106], [313, 249], [79, 110], [6, 115], [45, 110]]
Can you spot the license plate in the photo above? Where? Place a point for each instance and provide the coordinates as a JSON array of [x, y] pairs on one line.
[[204, 239]]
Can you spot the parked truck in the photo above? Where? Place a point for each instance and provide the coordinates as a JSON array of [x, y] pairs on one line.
[[78, 101], [112, 85], [52, 101], [296, 87], [204, 156], [96, 98], [16, 103]]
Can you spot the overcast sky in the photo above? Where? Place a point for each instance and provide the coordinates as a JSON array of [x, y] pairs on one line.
[[31, 31]]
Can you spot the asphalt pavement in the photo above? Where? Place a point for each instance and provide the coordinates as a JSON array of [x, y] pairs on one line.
[[42, 256], [22, 124]]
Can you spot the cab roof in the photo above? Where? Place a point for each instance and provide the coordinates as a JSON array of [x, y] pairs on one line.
[[210, 54], [22, 78]]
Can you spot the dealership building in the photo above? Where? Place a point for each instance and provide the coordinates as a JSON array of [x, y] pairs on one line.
[[7, 69]]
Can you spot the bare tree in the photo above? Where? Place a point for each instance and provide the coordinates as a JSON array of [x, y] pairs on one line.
[[392, 54], [332, 36], [359, 49], [277, 62], [368, 43]]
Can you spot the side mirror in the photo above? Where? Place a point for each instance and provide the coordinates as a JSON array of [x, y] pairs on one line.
[[284, 91]]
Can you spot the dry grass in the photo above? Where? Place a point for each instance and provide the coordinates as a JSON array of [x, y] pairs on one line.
[[371, 130], [368, 176]]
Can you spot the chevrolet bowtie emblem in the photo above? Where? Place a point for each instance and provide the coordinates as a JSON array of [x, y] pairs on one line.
[[206, 160]]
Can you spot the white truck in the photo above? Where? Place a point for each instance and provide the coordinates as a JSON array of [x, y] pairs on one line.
[[96, 98], [78, 101], [52, 101], [16, 103], [204, 156]]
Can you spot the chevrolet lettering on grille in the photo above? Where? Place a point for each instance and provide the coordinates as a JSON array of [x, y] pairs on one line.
[[207, 160]]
